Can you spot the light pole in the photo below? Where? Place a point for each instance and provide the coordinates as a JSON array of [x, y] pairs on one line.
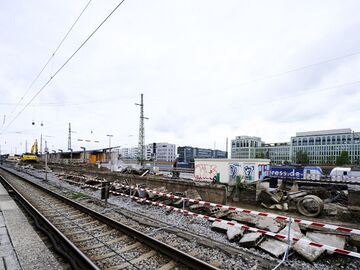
[[60, 153], [110, 135], [83, 148], [110, 158]]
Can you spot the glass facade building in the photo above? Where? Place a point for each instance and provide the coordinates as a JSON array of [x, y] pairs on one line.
[[189, 153], [322, 147]]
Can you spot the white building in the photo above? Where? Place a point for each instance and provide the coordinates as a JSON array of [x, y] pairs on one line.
[[129, 153], [161, 151], [321, 147]]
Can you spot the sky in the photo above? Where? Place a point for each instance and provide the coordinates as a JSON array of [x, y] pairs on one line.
[[209, 70]]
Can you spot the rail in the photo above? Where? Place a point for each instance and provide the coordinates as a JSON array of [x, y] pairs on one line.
[[174, 254]]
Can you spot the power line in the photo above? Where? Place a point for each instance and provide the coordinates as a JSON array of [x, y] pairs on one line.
[[302, 67], [63, 65], [317, 90], [50, 58], [274, 75]]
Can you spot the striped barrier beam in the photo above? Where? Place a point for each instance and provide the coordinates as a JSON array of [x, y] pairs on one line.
[[281, 237], [278, 236], [252, 212], [247, 211]]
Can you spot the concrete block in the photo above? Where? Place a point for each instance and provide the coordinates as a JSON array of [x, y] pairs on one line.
[[274, 247], [242, 218], [294, 230], [329, 239], [193, 194], [251, 239], [222, 214], [220, 227], [234, 233], [333, 209], [308, 252], [269, 224], [355, 240]]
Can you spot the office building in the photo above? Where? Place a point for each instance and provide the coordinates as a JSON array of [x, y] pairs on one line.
[[321, 147], [188, 153]]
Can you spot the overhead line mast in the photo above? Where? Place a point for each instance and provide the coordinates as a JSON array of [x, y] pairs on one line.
[[141, 131]]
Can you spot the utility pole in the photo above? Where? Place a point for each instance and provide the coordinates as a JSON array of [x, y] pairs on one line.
[[41, 144], [46, 159], [227, 147], [110, 135], [110, 157], [69, 137], [141, 130], [25, 146], [84, 149]]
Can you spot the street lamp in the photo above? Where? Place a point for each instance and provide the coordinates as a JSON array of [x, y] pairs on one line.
[[60, 152], [110, 135], [110, 158], [83, 148]]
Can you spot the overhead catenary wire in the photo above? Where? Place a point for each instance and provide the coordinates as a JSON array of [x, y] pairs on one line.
[[50, 58], [62, 66]]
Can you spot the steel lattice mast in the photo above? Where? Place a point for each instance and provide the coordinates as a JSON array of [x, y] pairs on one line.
[[141, 131], [69, 137]]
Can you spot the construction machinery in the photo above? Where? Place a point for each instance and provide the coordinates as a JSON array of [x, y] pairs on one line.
[[32, 156]]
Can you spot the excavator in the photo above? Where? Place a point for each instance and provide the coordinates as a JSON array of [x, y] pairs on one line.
[[32, 156]]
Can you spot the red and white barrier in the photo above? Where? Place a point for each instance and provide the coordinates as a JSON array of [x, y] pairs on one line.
[[244, 227], [247, 211], [252, 212], [232, 223]]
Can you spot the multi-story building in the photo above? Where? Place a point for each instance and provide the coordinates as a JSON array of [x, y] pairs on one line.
[[161, 151], [188, 153], [244, 146], [129, 153], [321, 147], [326, 145]]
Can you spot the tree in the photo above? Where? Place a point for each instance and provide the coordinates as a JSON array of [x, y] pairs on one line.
[[343, 158], [302, 157]]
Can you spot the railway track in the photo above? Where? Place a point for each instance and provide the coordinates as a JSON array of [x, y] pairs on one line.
[[91, 240]]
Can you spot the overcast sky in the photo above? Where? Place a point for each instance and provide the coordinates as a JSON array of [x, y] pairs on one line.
[[208, 70]]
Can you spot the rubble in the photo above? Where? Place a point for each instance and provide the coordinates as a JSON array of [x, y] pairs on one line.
[[193, 194], [308, 252], [274, 247], [251, 239], [295, 230], [334, 209], [242, 218], [269, 224], [234, 233], [310, 206], [220, 227], [296, 194], [330, 239]]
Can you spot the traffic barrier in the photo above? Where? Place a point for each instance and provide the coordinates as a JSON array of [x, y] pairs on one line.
[[252, 212], [247, 211], [278, 236], [244, 227]]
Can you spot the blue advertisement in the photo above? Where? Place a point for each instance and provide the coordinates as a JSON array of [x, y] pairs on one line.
[[287, 172]]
